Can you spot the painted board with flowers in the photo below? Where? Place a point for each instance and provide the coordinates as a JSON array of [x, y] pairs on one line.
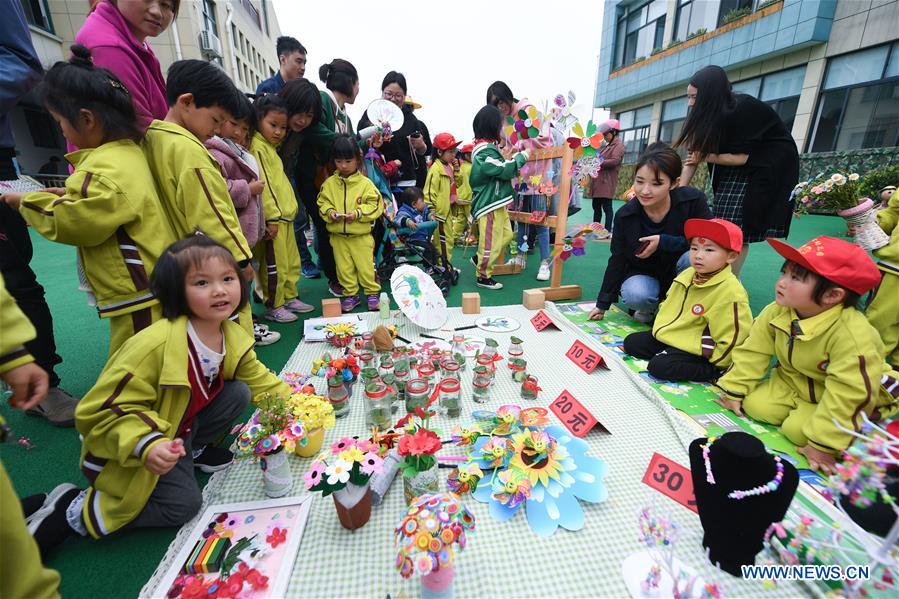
[[240, 549]]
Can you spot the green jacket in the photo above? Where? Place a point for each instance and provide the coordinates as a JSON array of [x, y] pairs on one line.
[[708, 320], [888, 219], [111, 212], [191, 188], [491, 178], [139, 401], [836, 363], [279, 202], [356, 194], [17, 331], [437, 190]]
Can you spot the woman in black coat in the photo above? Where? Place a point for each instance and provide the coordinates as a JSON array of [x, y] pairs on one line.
[[648, 246], [752, 158]]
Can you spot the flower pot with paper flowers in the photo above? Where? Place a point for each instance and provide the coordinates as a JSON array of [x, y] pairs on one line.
[[317, 416], [345, 474], [271, 430], [418, 447]]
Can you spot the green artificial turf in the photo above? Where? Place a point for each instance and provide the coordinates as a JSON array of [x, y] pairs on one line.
[[121, 564]]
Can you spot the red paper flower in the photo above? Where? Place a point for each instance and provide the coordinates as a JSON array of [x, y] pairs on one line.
[[195, 587], [403, 421], [232, 586], [423, 442], [253, 576], [278, 536]]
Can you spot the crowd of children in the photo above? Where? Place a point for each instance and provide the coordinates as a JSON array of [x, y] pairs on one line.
[[174, 226]]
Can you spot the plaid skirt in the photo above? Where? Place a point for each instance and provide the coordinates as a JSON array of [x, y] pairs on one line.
[[729, 186]]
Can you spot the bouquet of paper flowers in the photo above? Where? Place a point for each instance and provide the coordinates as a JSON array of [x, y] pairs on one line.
[[272, 427], [418, 444], [428, 531], [313, 410], [346, 366], [349, 461], [834, 193]]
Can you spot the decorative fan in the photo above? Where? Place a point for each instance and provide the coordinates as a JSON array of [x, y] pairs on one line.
[[385, 115], [523, 125]]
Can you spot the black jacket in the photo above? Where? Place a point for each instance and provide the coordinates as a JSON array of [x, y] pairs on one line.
[[399, 147], [686, 203]]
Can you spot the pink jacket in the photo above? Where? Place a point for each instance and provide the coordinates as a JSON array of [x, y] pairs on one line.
[[238, 175], [106, 34], [531, 167]]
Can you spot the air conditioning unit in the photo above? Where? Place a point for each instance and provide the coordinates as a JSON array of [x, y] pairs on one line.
[[210, 45]]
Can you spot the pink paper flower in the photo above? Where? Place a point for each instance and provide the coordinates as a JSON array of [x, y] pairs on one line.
[[371, 463], [314, 476], [342, 445]]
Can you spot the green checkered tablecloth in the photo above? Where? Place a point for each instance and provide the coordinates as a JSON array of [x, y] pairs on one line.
[[505, 559]]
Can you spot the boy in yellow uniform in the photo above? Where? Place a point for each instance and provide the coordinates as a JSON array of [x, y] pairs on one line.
[[830, 364], [192, 191], [705, 315], [461, 210], [883, 313], [350, 203], [21, 572], [279, 258], [441, 192]]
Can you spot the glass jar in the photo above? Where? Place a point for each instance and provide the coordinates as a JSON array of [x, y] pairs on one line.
[[338, 396], [390, 380], [490, 347], [529, 388], [400, 378], [481, 387], [450, 368], [450, 397], [369, 375], [378, 400], [519, 367], [417, 394], [426, 371], [486, 362], [387, 365], [515, 349], [458, 349], [368, 341], [366, 359]]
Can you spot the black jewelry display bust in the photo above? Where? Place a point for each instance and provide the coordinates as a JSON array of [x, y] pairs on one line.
[[734, 529]]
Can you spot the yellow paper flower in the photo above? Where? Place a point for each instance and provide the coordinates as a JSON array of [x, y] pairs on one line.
[[353, 454]]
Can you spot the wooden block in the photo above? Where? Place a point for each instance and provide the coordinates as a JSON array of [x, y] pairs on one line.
[[331, 307], [562, 292], [471, 303], [533, 299]]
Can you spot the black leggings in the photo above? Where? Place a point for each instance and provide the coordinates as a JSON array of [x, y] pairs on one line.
[[668, 363], [603, 205]]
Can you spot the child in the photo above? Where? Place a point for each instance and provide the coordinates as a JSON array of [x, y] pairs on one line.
[[830, 360], [192, 191], [415, 215], [491, 187], [350, 203], [161, 402], [109, 208], [279, 257], [461, 210], [441, 190], [705, 314], [883, 312]]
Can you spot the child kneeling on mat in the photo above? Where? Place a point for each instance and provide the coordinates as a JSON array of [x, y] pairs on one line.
[[163, 399], [705, 315], [830, 361]]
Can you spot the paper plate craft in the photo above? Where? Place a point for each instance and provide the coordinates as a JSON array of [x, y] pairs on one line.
[[385, 115], [418, 297], [545, 470], [497, 324]]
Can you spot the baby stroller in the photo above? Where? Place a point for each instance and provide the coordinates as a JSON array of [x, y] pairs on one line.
[[398, 249]]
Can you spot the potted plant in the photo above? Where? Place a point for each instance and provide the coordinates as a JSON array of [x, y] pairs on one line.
[[344, 472], [418, 446], [317, 416], [271, 430]]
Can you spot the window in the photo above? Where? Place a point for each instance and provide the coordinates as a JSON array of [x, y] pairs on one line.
[[693, 15], [37, 14], [673, 114], [859, 107], [209, 21], [779, 90], [234, 36], [634, 132], [265, 16], [251, 10], [640, 30]]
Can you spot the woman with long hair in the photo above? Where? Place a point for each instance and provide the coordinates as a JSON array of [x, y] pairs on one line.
[[752, 158]]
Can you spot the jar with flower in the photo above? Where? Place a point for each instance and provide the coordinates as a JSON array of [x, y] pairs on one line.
[[490, 348], [369, 375], [426, 372], [387, 365], [418, 447], [338, 396], [529, 388], [450, 368], [271, 433], [487, 362], [366, 358], [368, 341], [458, 350], [317, 416], [401, 377]]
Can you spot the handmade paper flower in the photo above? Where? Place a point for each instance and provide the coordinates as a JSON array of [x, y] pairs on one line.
[[353, 454], [421, 443], [268, 445], [495, 451], [466, 435], [427, 533], [342, 445], [534, 417], [277, 536], [513, 489], [314, 475], [525, 124], [371, 463], [338, 472]]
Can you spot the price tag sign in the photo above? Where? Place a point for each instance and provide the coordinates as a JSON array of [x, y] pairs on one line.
[[574, 415], [542, 321], [671, 479], [586, 358]]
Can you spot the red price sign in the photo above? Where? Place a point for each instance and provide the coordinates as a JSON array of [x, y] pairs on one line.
[[586, 358], [541, 321], [573, 415], [671, 479]]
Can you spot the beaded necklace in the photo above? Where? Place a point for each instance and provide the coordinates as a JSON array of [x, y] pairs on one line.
[[768, 487]]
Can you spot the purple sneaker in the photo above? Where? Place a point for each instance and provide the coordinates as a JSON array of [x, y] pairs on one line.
[[335, 289], [350, 303], [373, 302]]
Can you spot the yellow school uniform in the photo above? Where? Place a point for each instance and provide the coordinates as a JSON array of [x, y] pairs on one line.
[[438, 196], [883, 313]]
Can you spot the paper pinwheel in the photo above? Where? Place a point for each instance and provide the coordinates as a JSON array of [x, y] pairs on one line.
[[560, 113], [589, 139], [429, 529], [525, 124]]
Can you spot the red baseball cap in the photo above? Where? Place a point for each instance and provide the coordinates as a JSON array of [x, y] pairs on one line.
[[723, 232], [445, 141], [467, 148], [841, 262]]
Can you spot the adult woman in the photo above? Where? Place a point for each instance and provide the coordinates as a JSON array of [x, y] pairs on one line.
[[751, 155], [531, 199], [602, 187], [410, 143], [649, 248], [116, 32]]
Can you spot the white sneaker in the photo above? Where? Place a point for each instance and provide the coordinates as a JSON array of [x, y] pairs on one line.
[[544, 273], [604, 234], [264, 335]]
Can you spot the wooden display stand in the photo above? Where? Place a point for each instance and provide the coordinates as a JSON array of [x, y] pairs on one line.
[[556, 291]]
